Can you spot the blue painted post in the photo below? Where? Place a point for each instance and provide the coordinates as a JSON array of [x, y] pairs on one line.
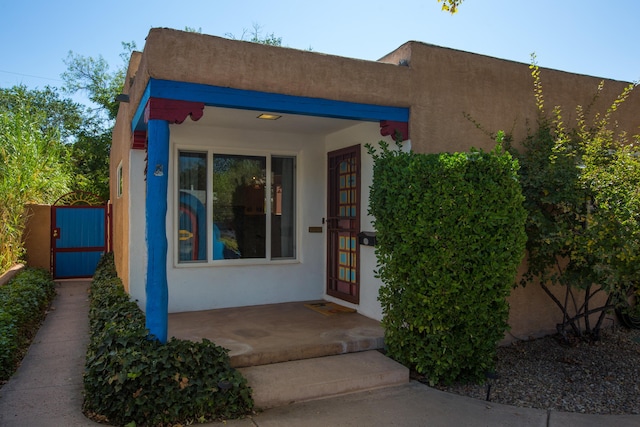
[[157, 307]]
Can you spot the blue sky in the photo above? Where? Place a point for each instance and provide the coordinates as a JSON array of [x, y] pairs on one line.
[[593, 37]]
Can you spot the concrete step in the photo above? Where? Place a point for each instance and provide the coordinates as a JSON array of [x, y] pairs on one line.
[[300, 380], [329, 343]]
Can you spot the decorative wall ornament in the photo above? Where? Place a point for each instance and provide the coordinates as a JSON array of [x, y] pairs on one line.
[[390, 128], [173, 111]]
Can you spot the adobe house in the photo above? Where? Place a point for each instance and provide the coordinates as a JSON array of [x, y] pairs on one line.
[[240, 177]]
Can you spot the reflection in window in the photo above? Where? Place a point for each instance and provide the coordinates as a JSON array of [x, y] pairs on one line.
[[239, 214], [192, 188], [282, 207]]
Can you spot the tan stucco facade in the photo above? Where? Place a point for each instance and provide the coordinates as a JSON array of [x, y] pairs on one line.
[[120, 158], [37, 236], [437, 85]]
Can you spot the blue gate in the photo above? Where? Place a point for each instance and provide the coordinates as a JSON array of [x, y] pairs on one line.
[[80, 235]]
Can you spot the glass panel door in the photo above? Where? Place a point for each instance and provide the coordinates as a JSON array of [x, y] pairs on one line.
[[343, 224]]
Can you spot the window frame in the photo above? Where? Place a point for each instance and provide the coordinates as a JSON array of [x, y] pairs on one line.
[[175, 203]]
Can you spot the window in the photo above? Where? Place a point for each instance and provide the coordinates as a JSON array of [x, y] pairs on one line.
[[252, 211], [239, 212], [119, 181], [283, 207]]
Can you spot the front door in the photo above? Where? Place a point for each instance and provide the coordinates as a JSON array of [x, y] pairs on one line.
[[343, 224]]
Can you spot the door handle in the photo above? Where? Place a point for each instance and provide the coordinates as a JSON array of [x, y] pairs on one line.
[[332, 222]]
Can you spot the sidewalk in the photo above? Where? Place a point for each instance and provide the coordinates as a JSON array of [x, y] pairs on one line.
[[47, 391], [47, 388]]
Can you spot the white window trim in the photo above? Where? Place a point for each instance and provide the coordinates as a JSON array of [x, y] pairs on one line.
[[209, 261]]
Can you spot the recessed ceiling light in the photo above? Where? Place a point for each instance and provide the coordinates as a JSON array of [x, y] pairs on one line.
[[267, 116]]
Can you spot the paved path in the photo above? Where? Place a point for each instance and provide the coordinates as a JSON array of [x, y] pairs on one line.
[[47, 391], [47, 388]]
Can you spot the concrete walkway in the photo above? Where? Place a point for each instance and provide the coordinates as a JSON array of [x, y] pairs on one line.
[[47, 391], [47, 388]]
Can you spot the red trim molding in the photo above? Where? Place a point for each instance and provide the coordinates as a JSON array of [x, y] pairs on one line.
[[391, 128], [139, 140], [171, 110]]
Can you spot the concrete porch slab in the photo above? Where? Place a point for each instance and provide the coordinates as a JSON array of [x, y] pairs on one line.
[[264, 334]]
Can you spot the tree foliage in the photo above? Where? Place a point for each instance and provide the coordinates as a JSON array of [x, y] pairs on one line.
[[450, 5], [255, 35], [33, 164], [93, 77], [62, 114], [90, 152], [89, 161], [582, 189]]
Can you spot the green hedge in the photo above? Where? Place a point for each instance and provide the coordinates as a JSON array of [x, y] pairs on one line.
[[23, 304], [132, 379], [450, 239]]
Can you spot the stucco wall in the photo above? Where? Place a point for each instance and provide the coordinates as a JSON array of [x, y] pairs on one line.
[[498, 94], [120, 155], [37, 236], [438, 85], [191, 57], [533, 314]]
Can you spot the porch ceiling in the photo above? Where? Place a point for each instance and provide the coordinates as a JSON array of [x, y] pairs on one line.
[[289, 123]]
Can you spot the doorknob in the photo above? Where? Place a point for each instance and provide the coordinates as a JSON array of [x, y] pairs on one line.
[[332, 222]]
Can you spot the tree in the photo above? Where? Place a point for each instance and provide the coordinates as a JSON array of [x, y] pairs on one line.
[[581, 187], [89, 161], [255, 35], [92, 76], [450, 5], [90, 151], [62, 115], [33, 167]]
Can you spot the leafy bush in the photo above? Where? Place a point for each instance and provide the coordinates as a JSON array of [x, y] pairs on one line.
[[23, 302], [132, 378], [450, 238], [581, 187], [32, 164]]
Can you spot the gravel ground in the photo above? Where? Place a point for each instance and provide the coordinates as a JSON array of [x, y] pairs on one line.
[[597, 378]]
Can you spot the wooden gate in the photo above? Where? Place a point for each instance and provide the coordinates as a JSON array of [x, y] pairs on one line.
[[80, 234]]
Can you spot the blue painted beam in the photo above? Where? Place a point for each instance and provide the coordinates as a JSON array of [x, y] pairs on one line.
[[138, 123], [262, 101], [157, 306]]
